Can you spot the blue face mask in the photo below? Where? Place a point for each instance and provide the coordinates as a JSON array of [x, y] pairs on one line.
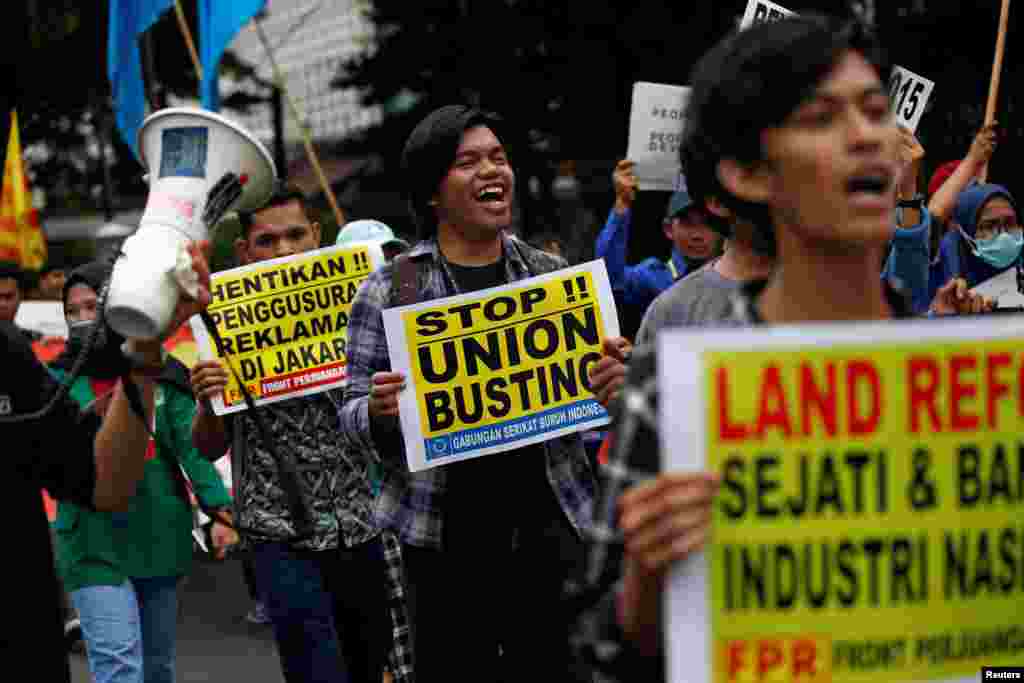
[[999, 251]]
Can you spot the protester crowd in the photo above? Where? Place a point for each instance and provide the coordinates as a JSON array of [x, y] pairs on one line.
[[802, 202]]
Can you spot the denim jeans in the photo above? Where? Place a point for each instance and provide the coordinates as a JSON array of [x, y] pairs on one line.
[[328, 610], [129, 630]]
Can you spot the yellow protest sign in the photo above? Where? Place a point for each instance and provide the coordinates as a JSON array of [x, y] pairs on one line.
[[501, 368], [283, 323], [868, 526]]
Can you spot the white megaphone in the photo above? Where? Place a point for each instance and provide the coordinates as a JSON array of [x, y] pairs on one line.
[[187, 152]]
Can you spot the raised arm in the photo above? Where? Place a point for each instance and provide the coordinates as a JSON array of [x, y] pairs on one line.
[[943, 201], [122, 441], [613, 240]]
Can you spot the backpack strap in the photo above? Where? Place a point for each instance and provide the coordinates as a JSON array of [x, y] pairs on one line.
[[404, 285]]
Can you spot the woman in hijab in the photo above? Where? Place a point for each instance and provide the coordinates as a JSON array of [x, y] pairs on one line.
[[984, 240], [122, 569]]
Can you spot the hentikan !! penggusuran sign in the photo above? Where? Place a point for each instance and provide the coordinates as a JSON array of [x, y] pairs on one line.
[[283, 323]]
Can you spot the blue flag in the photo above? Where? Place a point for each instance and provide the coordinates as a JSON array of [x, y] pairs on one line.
[[219, 21], [128, 19]]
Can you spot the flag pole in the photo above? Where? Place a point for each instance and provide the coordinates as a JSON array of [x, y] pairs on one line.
[[307, 142], [187, 35], [997, 69]]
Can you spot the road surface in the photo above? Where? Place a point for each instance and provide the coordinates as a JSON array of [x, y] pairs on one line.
[[215, 642]]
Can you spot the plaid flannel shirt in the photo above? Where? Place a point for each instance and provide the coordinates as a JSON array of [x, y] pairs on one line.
[[635, 456], [400, 657], [411, 504]]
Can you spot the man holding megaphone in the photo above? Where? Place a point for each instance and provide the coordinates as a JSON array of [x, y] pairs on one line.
[[76, 456], [200, 165]]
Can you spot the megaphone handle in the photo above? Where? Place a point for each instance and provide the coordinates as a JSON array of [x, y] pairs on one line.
[[221, 196]]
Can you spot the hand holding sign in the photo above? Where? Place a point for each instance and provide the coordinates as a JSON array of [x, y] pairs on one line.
[[663, 521], [666, 519], [911, 155], [384, 394], [911, 151], [209, 380], [609, 374], [625, 184], [954, 298]]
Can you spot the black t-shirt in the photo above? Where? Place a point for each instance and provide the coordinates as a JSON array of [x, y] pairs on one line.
[[53, 452], [505, 485]]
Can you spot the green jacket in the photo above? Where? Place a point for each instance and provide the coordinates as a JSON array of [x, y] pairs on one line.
[[154, 536]]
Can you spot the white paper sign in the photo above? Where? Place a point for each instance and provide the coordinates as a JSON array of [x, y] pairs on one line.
[[501, 368], [655, 133], [760, 11], [909, 95], [1002, 289], [45, 317]]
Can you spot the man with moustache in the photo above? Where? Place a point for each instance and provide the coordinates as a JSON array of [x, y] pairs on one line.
[[323, 583]]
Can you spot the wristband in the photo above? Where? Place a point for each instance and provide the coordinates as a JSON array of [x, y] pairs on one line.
[[916, 202]]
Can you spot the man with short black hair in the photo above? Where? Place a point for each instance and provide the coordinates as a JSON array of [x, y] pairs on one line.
[[324, 584], [11, 278], [687, 225], [12, 291], [484, 567], [51, 282], [789, 126]]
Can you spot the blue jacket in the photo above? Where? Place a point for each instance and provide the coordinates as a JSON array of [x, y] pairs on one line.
[[909, 260], [636, 285]]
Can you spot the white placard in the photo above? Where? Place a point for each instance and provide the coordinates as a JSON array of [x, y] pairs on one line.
[[1002, 289], [45, 317], [500, 368], [909, 94], [655, 133], [760, 11]]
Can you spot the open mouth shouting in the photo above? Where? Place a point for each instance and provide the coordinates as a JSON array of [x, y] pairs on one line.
[[871, 187]]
